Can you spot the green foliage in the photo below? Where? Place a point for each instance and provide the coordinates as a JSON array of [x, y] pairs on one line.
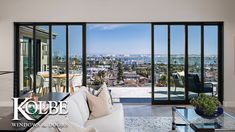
[[163, 80], [101, 74], [120, 71], [99, 78], [145, 72], [206, 103], [97, 81]]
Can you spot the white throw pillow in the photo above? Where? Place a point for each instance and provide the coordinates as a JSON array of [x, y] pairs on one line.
[[74, 114], [81, 102], [100, 105]]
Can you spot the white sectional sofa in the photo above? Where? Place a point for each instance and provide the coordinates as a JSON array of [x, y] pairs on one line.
[[78, 112]]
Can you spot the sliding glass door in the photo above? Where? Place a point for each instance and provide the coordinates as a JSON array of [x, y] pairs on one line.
[[26, 59], [211, 58], [50, 58], [161, 62], [194, 56], [187, 61], [177, 61]]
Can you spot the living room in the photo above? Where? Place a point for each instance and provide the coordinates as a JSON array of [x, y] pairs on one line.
[[117, 65]]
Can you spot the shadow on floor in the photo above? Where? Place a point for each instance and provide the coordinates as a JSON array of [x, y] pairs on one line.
[[5, 111]]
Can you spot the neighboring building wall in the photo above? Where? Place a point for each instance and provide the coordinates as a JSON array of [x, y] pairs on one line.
[[116, 11]]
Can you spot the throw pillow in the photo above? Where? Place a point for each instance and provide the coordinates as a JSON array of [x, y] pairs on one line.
[[100, 105], [97, 92]]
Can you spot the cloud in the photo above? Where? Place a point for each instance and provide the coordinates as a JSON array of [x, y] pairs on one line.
[[106, 26]]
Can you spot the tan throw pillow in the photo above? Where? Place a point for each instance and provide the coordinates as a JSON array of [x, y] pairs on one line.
[[100, 105]]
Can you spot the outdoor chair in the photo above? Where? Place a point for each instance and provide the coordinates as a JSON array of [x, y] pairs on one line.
[[74, 81], [195, 85], [177, 81]]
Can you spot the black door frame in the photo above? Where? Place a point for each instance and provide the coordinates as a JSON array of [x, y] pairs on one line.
[[17, 52], [84, 52], [220, 54]]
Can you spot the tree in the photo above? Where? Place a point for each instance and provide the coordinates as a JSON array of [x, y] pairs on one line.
[[133, 67], [145, 72], [162, 81], [97, 81], [101, 74], [120, 72]]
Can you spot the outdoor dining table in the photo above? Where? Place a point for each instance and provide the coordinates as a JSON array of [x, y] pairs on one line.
[[59, 78]]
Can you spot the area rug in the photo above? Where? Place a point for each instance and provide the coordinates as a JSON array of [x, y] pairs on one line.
[[148, 124]]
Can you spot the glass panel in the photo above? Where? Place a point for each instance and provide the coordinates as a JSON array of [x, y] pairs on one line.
[[119, 54], [26, 59], [58, 58], [210, 60], [225, 122], [161, 62], [177, 39], [182, 128], [75, 57], [42, 59], [194, 60]]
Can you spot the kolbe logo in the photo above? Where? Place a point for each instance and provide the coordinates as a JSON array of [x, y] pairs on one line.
[[29, 108]]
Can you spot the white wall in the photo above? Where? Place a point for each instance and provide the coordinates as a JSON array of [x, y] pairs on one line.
[[115, 11]]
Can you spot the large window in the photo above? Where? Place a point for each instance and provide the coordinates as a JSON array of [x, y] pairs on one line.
[[26, 58], [178, 60], [120, 55], [194, 55], [75, 57], [211, 56], [50, 58], [191, 61], [161, 62]]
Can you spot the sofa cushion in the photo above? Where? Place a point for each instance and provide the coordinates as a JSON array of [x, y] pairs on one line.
[[111, 123], [81, 103], [42, 125], [100, 105], [60, 123], [66, 125], [74, 127], [74, 113]]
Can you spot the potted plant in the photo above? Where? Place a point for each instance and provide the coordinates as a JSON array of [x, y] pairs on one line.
[[207, 106], [99, 79]]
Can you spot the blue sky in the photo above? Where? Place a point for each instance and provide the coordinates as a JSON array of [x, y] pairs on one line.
[[133, 39], [75, 40], [119, 39]]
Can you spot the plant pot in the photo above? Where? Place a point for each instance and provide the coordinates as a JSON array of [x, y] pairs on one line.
[[216, 114]]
